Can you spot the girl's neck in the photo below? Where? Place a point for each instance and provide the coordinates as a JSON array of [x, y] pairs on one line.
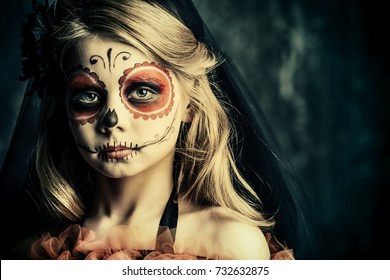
[[137, 200]]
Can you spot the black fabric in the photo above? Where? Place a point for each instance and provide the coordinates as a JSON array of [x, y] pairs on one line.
[[171, 213], [259, 157], [18, 198], [20, 150]]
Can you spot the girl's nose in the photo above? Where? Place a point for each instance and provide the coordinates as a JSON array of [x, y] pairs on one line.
[[116, 115]]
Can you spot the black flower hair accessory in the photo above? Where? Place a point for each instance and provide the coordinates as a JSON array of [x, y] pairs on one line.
[[37, 49]]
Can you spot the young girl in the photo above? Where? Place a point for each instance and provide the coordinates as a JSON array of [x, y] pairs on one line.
[[146, 148]]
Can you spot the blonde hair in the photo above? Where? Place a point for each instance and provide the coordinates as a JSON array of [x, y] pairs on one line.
[[207, 173]]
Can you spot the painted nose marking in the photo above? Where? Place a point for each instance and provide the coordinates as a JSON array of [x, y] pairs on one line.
[[110, 119]]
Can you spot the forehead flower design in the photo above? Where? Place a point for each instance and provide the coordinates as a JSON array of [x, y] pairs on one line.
[[146, 90]]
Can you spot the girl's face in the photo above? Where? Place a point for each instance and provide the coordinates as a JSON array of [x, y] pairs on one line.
[[124, 109]]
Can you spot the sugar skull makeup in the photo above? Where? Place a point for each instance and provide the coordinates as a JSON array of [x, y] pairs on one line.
[[124, 109]]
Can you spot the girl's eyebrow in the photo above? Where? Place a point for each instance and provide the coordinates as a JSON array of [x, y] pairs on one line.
[[84, 81], [82, 85], [151, 84], [83, 75]]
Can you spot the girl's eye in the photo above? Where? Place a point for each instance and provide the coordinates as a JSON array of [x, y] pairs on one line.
[[142, 95], [86, 100], [142, 92], [88, 97]]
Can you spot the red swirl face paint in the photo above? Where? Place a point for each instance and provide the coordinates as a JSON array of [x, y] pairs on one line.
[[146, 90], [85, 96]]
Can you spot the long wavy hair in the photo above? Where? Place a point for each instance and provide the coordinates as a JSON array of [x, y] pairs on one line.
[[206, 172]]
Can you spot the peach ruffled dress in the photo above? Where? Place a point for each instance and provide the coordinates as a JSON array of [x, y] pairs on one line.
[[80, 243]]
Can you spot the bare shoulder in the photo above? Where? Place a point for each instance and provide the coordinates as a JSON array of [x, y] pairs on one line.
[[221, 234], [239, 240]]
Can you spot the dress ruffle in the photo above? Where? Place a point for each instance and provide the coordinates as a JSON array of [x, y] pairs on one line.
[[278, 250], [80, 243]]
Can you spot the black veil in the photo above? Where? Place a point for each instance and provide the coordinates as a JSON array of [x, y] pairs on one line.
[[259, 157]]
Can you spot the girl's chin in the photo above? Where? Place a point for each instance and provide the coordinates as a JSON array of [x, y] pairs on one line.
[[115, 169]]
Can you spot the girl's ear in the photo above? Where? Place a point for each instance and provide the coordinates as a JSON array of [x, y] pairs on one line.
[[187, 114]]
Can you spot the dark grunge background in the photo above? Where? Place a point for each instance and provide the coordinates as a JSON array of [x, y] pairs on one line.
[[320, 71]]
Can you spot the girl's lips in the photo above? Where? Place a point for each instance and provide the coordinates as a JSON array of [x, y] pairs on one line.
[[119, 152], [115, 148], [116, 153]]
